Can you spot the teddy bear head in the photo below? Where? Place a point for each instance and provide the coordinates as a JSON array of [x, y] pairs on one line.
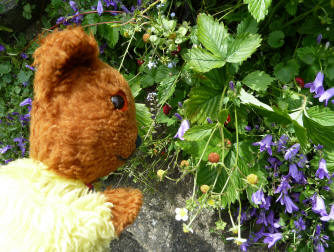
[[83, 118]]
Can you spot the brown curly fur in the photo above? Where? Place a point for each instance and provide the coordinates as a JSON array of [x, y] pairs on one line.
[[75, 129]]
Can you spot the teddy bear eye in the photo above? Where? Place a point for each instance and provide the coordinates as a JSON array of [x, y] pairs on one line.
[[118, 101]]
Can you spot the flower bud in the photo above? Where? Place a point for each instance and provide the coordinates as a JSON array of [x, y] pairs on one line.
[[213, 157], [146, 37], [184, 163], [252, 179], [204, 188]]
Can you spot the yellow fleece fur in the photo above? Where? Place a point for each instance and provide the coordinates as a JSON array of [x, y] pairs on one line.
[[40, 211]]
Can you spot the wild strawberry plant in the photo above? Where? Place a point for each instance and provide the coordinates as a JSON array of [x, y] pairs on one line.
[[237, 95]]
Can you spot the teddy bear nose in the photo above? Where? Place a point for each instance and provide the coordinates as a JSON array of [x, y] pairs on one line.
[[138, 141]]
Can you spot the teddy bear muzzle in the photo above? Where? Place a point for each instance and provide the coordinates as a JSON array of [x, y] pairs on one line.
[[138, 143]]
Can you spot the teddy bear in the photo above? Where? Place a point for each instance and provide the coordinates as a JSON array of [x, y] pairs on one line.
[[83, 127]]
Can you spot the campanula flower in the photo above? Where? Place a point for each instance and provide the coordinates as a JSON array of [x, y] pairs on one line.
[[262, 218], [328, 94], [267, 203], [178, 116], [231, 84], [25, 102], [258, 197], [330, 216], [126, 10], [316, 85], [297, 175], [290, 207], [20, 142], [300, 224], [73, 5], [282, 142], [322, 170], [284, 186], [30, 67], [292, 151], [248, 128], [110, 3], [2, 48], [318, 205], [183, 128], [302, 161], [209, 120], [265, 144], [24, 56], [271, 239], [319, 38], [5, 149], [259, 235], [99, 8]]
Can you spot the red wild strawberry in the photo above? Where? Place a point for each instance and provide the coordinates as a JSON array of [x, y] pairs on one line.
[[140, 62], [166, 108], [227, 120], [178, 48], [300, 81], [213, 157]]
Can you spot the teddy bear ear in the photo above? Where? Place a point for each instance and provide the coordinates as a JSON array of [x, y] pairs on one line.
[[62, 51]]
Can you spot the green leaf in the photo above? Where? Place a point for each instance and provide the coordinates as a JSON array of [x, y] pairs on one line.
[[258, 80], [276, 39], [212, 35], [202, 103], [24, 76], [162, 73], [329, 157], [27, 11], [307, 54], [291, 7], [286, 72], [258, 8], [242, 47], [143, 117], [166, 89], [247, 98], [222, 116], [322, 115], [147, 81], [329, 72], [319, 134], [198, 132], [301, 134], [111, 35], [5, 68], [247, 25], [202, 61]]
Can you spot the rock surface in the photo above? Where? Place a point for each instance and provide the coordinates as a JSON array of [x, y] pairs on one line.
[[157, 230]]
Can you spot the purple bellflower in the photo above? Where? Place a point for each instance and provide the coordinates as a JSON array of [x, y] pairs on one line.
[[248, 128], [5, 149], [2, 48], [183, 128], [282, 142], [258, 197], [300, 224], [330, 216], [292, 151], [99, 8], [290, 207], [262, 218], [24, 56], [231, 84], [178, 116], [265, 144], [319, 38], [73, 5], [283, 187], [322, 170], [302, 161], [209, 120], [316, 85], [328, 94], [297, 175], [271, 239], [30, 67], [318, 205], [267, 203]]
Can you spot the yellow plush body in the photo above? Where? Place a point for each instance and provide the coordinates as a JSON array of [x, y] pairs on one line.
[[41, 211]]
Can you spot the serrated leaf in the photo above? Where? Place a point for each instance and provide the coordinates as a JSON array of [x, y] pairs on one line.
[[286, 72], [258, 8], [147, 81], [222, 115], [112, 35], [198, 132], [166, 89], [23, 76], [212, 35], [319, 134], [202, 61], [321, 115], [143, 117], [258, 80], [242, 47], [202, 103], [247, 25], [276, 39], [307, 54], [162, 73], [247, 98]]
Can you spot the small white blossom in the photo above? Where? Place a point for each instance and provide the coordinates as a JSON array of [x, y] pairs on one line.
[[237, 240], [172, 14], [171, 64], [181, 214], [151, 64], [151, 96]]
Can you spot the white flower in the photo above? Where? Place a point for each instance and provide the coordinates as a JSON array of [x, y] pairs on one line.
[[172, 14], [181, 214], [151, 64], [237, 240]]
